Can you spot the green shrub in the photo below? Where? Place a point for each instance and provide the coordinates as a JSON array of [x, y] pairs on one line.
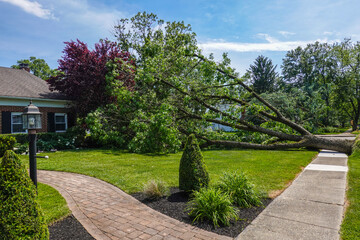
[[213, 205], [21, 216], [240, 190], [72, 138], [102, 132], [6, 143], [157, 135], [56, 141], [21, 138], [155, 189], [193, 174]]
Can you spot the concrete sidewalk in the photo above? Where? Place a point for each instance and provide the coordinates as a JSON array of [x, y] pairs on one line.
[[311, 208]]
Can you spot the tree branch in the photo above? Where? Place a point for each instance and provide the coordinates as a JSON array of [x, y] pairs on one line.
[[252, 128], [265, 114], [291, 124]]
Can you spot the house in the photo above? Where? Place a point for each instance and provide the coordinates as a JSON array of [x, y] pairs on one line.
[[17, 88]]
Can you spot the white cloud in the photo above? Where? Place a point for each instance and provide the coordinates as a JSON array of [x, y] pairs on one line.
[[286, 33], [100, 18], [272, 45], [267, 37], [33, 8]]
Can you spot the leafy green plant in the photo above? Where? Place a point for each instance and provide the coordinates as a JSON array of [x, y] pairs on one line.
[[193, 174], [54, 141], [102, 132], [21, 216], [155, 189], [213, 205], [71, 139], [157, 134], [6, 143], [240, 190]]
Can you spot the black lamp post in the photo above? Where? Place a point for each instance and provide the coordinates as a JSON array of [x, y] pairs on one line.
[[32, 121]]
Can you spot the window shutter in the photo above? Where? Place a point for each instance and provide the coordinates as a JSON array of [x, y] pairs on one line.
[[71, 119], [6, 122], [51, 122]]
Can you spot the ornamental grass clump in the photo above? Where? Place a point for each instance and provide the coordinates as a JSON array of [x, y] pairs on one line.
[[21, 216], [156, 189], [193, 174], [240, 190], [213, 205]]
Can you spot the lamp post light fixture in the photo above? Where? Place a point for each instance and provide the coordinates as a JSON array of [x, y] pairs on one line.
[[32, 121]]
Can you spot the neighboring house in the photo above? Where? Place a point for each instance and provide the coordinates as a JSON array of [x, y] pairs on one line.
[[17, 88]]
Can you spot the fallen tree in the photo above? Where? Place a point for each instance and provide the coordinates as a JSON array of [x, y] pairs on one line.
[[199, 92], [303, 138]]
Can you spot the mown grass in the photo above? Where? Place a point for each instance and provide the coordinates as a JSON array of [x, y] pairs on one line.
[[52, 203], [333, 130], [350, 228], [268, 170], [357, 132]]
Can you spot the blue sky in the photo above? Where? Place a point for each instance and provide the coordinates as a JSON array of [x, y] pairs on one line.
[[244, 29]]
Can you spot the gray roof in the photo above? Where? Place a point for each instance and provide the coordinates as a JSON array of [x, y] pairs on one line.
[[22, 84]]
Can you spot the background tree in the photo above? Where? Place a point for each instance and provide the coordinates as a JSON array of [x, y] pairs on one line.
[[82, 74], [171, 70], [312, 71], [38, 67], [262, 75], [347, 80]]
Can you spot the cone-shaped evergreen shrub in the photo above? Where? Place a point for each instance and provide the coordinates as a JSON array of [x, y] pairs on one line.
[[6, 143], [21, 216], [192, 172]]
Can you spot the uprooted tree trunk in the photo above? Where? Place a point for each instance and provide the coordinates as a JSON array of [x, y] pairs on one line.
[[308, 141], [302, 137]]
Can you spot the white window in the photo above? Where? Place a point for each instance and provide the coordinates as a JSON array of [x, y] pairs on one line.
[[60, 122], [16, 123]]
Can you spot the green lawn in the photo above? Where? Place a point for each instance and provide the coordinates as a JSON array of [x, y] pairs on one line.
[[350, 228], [52, 203], [334, 130], [269, 170]]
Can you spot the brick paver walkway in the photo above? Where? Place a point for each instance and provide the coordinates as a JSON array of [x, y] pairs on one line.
[[106, 212]]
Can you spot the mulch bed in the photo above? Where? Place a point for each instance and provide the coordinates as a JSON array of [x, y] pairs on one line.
[[175, 204], [69, 228]]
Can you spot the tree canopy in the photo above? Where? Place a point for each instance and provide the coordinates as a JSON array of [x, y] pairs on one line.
[[173, 72], [347, 80], [262, 75], [82, 74], [38, 67], [327, 79]]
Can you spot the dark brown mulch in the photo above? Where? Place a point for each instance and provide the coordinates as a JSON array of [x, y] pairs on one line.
[[69, 228], [175, 204]]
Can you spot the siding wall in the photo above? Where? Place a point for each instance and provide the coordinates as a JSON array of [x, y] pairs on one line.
[[43, 110]]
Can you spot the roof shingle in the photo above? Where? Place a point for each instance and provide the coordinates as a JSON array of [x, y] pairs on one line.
[[20, 83]]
